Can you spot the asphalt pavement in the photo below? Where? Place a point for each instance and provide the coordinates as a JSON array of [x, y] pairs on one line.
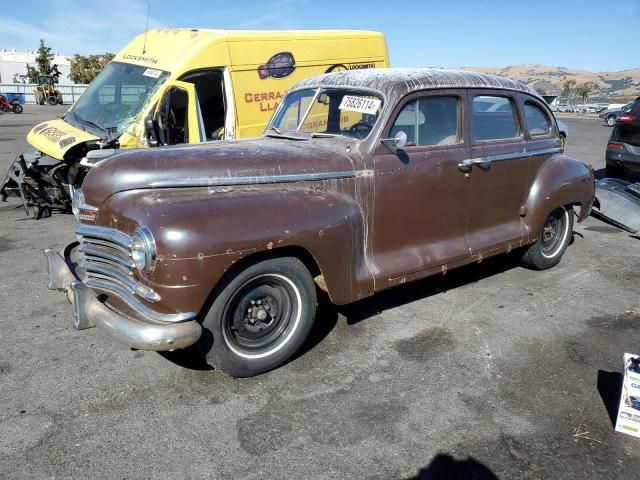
[[491, 371]]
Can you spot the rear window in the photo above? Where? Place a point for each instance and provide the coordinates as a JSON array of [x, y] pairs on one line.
[[537, 122], [494, 118], [635, 108]]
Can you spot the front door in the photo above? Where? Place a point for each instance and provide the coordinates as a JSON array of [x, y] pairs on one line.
[[498, 171], [421, 195]]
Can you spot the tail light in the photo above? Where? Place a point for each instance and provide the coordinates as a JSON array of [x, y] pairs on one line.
[[626, 118], [615, 146]]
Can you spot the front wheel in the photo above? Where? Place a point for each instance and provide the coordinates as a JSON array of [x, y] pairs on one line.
[[611, 120], [553, 240], [260, 317]]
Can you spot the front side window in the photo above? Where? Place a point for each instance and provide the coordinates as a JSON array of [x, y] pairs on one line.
[[537, 122], [332, 111], [429, 121], [494, 118]]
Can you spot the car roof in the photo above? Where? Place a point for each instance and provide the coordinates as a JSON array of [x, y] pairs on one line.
[[400, 81]]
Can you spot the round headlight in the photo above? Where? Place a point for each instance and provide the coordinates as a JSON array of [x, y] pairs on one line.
[[77, 199], [143, 249]]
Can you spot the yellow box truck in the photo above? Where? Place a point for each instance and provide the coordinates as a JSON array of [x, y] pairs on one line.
[[177, 86]]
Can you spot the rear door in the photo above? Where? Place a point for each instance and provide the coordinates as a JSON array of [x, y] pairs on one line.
[[498, 170]]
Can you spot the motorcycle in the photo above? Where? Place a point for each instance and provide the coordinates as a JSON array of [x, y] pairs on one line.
[[7, 106]]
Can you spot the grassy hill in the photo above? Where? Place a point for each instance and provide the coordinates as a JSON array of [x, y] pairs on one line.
[[622, 86]]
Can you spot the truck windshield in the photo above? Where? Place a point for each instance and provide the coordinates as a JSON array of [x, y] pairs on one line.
[[115, 97], [333, 111]]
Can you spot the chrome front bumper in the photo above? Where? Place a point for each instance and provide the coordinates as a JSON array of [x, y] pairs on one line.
[[167, 332]]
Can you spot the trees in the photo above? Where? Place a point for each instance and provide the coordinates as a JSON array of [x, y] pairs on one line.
[[44, 58], [568, 88], [583, 90], [32, 74], [85, 68]]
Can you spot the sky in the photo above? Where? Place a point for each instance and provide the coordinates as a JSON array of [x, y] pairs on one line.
[[579, 34]]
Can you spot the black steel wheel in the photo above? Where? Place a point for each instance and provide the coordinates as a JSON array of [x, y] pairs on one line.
[[552, 242], [260, 317]]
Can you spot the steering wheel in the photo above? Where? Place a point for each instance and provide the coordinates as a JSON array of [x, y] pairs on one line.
[[360, 129]]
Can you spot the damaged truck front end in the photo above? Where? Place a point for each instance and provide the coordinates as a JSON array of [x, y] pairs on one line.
[[108, 116]]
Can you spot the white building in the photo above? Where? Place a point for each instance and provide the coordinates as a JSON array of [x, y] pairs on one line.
[[13, 66]]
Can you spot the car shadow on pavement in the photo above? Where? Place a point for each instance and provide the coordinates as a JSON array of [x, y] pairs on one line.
[[421, 289], [445, 467], [609, 387]]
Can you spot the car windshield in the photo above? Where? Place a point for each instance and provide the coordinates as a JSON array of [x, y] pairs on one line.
[[331, 111], [115, 97]]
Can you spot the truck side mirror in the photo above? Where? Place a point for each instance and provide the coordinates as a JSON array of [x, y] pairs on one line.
[[150, 131]]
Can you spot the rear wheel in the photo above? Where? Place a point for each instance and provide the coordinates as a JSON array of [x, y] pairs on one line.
[[553, 240], [260, 318], [52, 100], [39, 98], [17, 108], [59, 99]]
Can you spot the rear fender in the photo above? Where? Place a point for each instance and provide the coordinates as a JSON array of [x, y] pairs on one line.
[[561, 181]]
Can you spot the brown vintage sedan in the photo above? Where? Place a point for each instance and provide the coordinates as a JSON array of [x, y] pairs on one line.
[[364, 180]]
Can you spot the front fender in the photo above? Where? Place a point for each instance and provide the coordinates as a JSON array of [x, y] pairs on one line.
[[200, 233], [561, 181]]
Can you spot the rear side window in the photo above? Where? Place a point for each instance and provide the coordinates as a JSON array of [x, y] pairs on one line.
[[493, 118], [429, 121], [537, 121], [635, 108]]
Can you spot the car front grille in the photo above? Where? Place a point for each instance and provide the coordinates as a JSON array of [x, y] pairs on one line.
[[107, 263]]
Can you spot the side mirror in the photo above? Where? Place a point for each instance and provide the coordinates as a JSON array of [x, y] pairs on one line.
[[398, 142], [150, 131]]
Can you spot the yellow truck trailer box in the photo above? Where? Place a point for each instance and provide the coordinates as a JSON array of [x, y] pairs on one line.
[[175, 86]]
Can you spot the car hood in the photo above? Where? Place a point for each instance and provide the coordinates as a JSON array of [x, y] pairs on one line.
[[262, 160], [56, 137]]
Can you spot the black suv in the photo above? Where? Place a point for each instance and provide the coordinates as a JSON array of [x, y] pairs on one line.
[[623, 149]]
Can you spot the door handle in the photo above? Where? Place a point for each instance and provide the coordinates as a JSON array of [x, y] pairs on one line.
[[466, 164], [481, 161]]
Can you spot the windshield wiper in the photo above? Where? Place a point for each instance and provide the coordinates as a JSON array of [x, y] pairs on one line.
[[291, 135], [94, 125]]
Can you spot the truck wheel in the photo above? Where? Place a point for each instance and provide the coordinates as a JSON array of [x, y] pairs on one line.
[[39, 98], [553, 241], [59, 99], [260, 317], [611, 120], [52, 100]]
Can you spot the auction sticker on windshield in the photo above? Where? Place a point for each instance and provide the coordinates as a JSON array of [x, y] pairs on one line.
[[152, 72], [360, 104]]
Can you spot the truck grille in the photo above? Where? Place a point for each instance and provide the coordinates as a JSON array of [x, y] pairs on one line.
[[107, 263]]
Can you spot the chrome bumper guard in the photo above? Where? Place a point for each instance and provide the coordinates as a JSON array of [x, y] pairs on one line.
[[165, 332]]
